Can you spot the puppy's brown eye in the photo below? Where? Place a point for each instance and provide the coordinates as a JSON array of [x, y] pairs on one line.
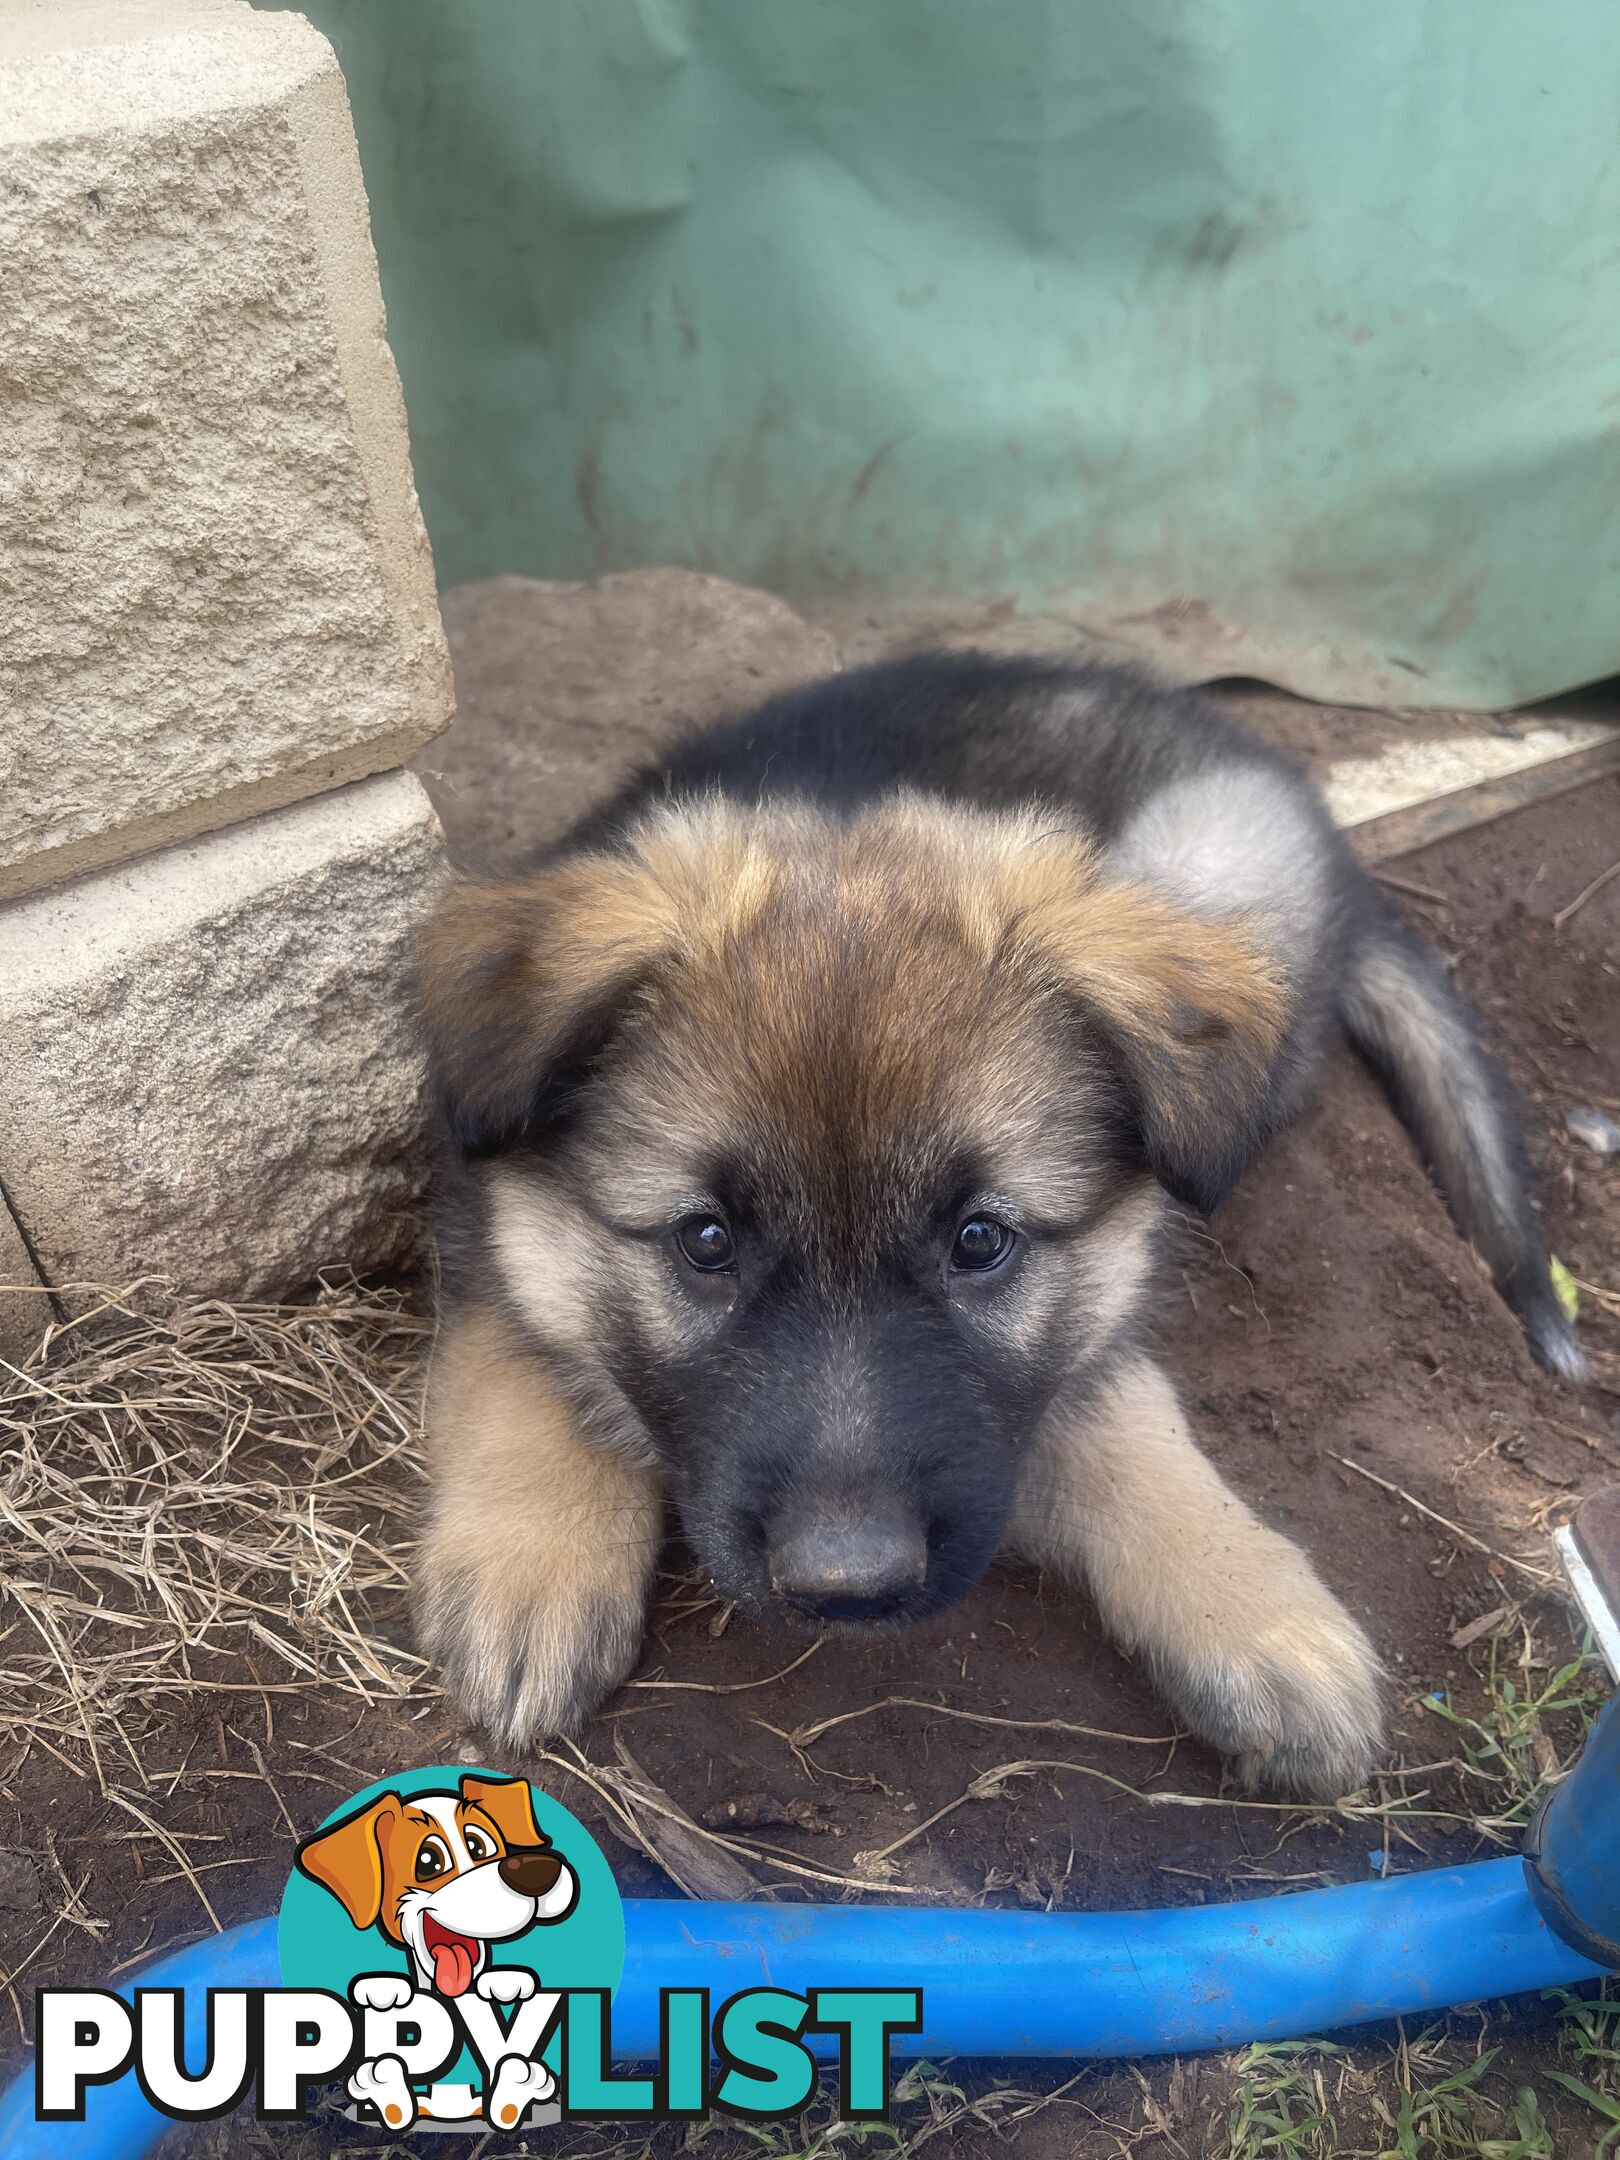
[[432, 1861], [705, 1243], [981, 1243]]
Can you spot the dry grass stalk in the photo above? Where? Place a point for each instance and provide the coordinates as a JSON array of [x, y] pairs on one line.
[[190, 1489]]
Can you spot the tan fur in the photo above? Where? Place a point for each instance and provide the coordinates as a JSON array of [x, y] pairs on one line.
[[691, 877], [542, 1547], [1113, 1264], [1241, 1633], [562, 1270], [936, 898], [914, 931]]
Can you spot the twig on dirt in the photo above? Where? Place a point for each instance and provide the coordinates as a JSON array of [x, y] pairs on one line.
[[805, 1735], [269, 1782], [1589, 892], [995, 2112], [1575, 1432], [1155, 2114], [691, 1856], [206, 1867], [1411, 885], [145, 1956], [732, 1687], [74, 1910], [1206, 1236], [1488, 1623], [40, 1621], [172, 1845], [1543, 1576], [601, 1782], [8, 1980], [1609, 1300], [987, 1786]]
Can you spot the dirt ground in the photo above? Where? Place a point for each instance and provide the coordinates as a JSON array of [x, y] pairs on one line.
[[1350, 1370]]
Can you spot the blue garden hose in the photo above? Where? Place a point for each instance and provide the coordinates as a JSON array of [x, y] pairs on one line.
[[1062, 1984]]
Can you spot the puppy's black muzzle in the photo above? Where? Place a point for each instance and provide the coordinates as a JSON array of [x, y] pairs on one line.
[[839, 1562]]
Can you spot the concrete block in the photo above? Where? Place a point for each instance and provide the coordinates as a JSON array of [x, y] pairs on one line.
[[207, 1064], [25, 1310], [215, 591]]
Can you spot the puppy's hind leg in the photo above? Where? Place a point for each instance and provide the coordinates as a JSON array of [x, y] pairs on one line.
[[537, 1565], [1241, 1634]]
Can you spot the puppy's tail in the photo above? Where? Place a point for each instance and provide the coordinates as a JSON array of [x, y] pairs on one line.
[[1407, 1021]]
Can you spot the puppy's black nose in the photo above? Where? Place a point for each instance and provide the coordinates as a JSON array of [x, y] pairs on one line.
[[841, 1564], [530, 1870]]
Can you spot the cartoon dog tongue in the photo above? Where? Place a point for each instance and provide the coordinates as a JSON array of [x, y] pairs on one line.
[[453, 1959]]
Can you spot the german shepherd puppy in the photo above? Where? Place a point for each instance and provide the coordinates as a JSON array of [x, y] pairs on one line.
[[813, 1114]]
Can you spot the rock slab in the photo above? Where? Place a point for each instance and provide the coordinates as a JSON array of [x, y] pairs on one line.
[[216, 595], [208, 1070], [25, 1311]]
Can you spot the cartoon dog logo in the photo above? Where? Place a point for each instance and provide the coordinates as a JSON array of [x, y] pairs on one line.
[[442, 1875]]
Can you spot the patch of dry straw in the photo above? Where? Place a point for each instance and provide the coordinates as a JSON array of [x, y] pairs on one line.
[[203, 1496]]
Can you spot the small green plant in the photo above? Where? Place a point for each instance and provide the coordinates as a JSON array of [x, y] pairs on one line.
[[1589, 2035], [1532, 2138], [1279, 2106], [1528, 1732], [1440, 2118]]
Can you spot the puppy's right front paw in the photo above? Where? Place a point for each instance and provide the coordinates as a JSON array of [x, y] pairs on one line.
[[526, 1658]]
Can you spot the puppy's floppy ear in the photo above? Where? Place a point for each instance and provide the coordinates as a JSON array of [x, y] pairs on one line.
[[346, 1858], [509, 1804], [522, 982], [1192, 1006]]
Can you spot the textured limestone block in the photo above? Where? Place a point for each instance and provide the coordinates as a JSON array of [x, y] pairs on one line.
[[563, 689], [25, 1311], [207, 1068], [215, 590]]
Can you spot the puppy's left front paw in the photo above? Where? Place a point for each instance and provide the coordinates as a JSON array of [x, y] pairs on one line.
[[1320, 1727], [505, 1984], [1285, 1682]]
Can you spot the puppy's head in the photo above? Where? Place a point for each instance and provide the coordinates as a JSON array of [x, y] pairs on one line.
[[821, 1154]]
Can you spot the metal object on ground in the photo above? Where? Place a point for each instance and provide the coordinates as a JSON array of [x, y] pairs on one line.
[[1572, 1852], [1590, 1550]]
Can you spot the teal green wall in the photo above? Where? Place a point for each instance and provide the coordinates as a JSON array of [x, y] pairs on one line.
[[1276, 335]]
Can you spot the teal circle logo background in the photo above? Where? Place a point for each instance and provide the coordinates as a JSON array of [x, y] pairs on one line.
[[320, 1947]]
